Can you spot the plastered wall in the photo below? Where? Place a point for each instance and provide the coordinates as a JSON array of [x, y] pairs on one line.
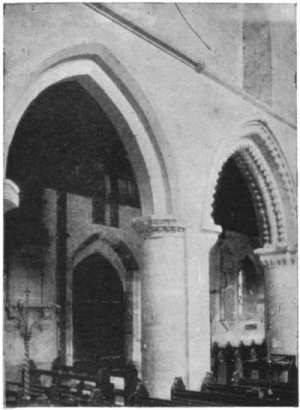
[[34, 268], [196, 114]]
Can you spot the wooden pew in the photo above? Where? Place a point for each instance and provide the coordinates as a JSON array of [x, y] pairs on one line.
[[279, 392], [82, 389], [283, 391], [64, 385], [13, 393], [222, 395], [124, 379], [141, 398], [67, 388], [154, 402]]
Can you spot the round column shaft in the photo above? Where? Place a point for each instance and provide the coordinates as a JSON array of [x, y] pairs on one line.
[[281, 290], [163, 299], [199, 245]]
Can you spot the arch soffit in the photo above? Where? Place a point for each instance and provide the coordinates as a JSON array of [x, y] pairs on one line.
[[150, 155], [268, 176]]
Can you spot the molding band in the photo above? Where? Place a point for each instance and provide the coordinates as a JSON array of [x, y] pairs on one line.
[[147, 226], [264, 166], [273, 259]]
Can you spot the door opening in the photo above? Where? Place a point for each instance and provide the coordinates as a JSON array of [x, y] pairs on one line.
[[98, 315]]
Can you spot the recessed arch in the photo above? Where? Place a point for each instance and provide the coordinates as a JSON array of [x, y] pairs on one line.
[[101, 74], [262, 162], [98, 314], [103, 244], [110, 247], [101, 247]]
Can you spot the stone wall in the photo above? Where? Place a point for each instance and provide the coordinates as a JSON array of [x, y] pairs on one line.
[[35, 268], [195, 113]]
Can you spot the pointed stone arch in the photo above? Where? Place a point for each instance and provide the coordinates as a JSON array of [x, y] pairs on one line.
[[116, 252], [264, 167], [110, 247], [108, 81]]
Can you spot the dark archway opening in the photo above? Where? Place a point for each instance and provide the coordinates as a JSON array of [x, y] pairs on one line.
[[73, 172], [233, 208], [65, 141], [236, 277], [98, 315]]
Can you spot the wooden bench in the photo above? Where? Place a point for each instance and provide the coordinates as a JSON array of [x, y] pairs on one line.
[[117, 378], [283, 391], [145, 401], [70, 388], [155, 402], [63, 387], [279, 393], [227, 398], [13, 393], [216, 395]]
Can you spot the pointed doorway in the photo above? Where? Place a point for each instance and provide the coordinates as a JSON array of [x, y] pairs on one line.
[[98, 315]]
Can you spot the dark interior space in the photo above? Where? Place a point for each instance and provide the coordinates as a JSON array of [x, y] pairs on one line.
[[237, 293], [233, 206], [66, 142], [98, 315]]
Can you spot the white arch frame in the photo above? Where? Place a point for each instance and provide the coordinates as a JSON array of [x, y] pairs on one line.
[[108, 81], [125, 103], [265, 167]]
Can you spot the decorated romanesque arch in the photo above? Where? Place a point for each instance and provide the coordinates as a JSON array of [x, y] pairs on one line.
[[262, 163]]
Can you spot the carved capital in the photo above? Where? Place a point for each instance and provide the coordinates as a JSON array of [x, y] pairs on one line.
[[149, 225], [273, 259]]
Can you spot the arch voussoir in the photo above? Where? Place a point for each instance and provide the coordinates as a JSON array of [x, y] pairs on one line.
[[261, 161]]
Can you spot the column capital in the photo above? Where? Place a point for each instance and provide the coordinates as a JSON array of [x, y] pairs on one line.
[[154, 224], [11, 195], [276, 258], [212, 230], [208, 226]]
